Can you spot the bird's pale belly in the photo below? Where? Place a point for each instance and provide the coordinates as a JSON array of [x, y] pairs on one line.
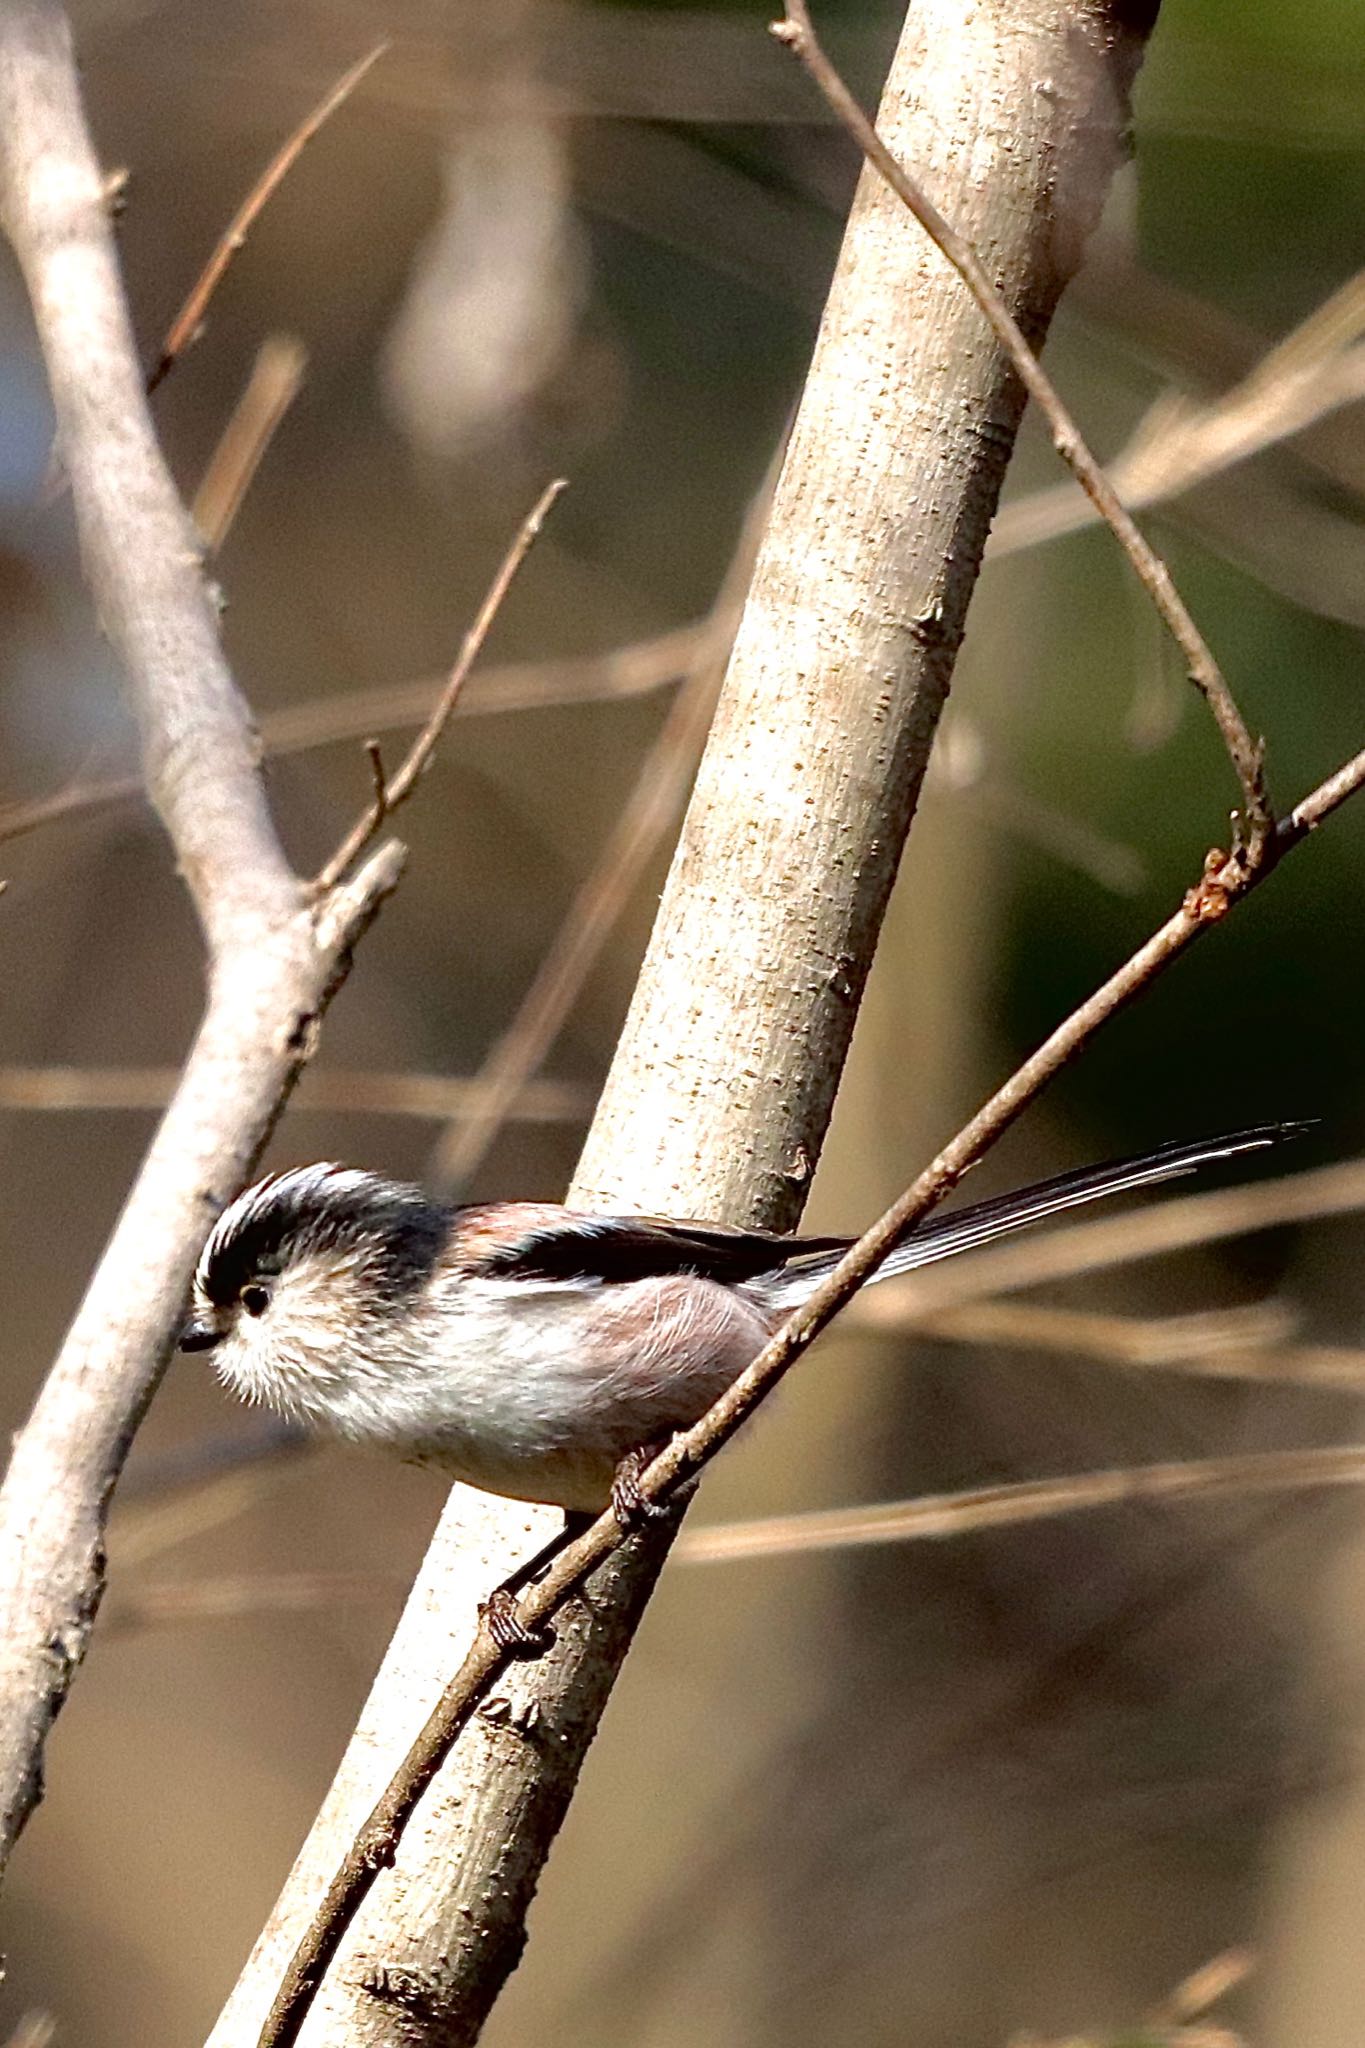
[[548, 1394]]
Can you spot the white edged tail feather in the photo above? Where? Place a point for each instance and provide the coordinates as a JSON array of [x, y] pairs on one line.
[[965, 1230]]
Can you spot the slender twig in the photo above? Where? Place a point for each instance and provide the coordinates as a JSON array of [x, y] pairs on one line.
[[639, 669], [396, 789], [1226, 880], [1247, 755], [188, 323], [271, 389], [425, 1097], [1204, 1987], [653, 805], [1320, 803], [36, 2029]]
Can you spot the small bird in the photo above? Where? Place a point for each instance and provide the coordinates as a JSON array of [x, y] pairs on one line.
[[535, 1351]]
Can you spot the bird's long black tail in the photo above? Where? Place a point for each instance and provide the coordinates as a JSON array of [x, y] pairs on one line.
[[964, 1230]]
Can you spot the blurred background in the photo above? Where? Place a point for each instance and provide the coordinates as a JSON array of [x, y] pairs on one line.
[[1017, 1785]]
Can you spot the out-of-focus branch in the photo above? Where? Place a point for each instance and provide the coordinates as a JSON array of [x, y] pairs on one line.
[[1246, 754], [1025, 1500], [188, 323], [636, 670], [423, 1096], [719, 1095], [650, 810], [1181, 441], [35, 2030], [271, 389], [926, 1518], [1217, 1344], [171, 1603]]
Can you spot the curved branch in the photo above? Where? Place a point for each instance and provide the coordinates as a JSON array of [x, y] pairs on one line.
[[140, 551], [273, 961]]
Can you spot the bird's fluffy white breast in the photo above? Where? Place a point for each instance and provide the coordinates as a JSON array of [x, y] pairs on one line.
[[531, 1388]]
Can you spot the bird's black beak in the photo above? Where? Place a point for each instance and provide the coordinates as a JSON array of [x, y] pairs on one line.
[[199, 1336]]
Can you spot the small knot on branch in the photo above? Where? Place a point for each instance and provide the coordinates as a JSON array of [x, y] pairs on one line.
[[1213, 894]]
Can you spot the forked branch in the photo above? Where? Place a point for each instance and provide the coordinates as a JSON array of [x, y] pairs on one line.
[[276, 953]]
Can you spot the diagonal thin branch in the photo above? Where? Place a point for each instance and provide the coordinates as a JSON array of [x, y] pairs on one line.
[[1226, 881], [188, 323], [1246, 754], [396, 789], [271, 389]]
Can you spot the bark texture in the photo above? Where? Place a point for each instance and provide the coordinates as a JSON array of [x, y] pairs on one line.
[[1014, 114]]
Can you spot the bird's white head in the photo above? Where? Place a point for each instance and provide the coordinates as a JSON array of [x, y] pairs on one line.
[[301, 1277]]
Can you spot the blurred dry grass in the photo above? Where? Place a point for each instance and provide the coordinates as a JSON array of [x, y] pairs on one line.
[[943, 1794]]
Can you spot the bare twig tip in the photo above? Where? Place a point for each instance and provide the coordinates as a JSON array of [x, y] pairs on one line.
[[188, 323], [399, 787]]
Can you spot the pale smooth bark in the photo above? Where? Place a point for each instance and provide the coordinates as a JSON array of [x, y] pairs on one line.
[[1013, 112]]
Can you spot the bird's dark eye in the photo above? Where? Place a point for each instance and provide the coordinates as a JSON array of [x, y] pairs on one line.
[[255, 1300]]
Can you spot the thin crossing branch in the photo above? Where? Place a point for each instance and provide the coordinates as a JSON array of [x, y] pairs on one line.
[[1254, 841]]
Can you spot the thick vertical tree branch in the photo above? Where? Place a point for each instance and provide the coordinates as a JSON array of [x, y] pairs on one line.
[[718, 1099], [273, 960]]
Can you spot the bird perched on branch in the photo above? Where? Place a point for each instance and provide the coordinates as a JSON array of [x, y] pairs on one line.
[[536, 1351]]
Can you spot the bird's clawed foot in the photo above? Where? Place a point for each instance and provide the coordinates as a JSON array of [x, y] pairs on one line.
[[628, 1504], [499, 1615]]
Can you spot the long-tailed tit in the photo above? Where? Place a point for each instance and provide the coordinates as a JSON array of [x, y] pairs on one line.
[[529, 1349]]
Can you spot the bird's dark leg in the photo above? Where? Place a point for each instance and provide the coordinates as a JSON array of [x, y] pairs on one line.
[[499, 1610], [628, 1504]]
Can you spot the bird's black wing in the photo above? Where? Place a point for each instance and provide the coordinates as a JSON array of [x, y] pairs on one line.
[[535, 1242]]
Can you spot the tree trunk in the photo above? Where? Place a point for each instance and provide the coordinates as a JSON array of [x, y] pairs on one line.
[[1014, 114]]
